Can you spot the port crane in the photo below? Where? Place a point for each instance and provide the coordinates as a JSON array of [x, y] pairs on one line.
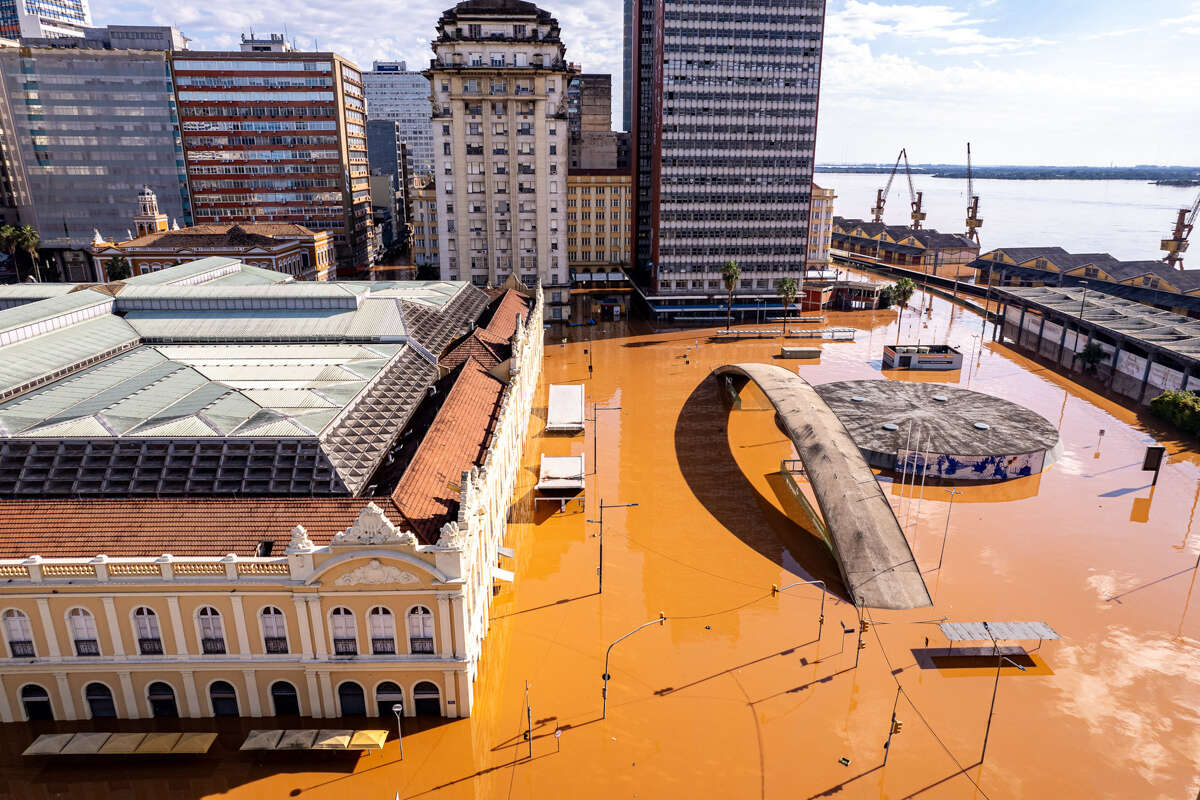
[[915, 198], [1177, 245], [974, 223]]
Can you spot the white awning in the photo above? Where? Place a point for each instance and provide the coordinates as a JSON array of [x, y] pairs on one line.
[[566, 412], [507, 551], [502, 575]]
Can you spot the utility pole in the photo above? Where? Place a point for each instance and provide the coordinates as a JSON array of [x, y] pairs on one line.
[[893, 728], [600, 566], [595, 420], [863, 627], [528, 720], [1000, 659], [946, 532]]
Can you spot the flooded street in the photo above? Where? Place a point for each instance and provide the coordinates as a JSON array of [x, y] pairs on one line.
[[736, 695]]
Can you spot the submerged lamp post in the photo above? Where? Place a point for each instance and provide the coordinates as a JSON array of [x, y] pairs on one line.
[[995, 687], [946, 532], [398, 710], [662, 619], [600, 567], [824, 591]]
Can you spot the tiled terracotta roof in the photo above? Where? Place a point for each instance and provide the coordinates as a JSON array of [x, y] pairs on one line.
[[151, 527], [501, 315], [247, 234], [456, 441], [488, 348]]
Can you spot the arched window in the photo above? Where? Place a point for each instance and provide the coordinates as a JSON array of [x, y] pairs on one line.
[[100, 701], [83, 632], [345, 637], [383, 631], [388, 694], [212, 631], [420, 630], [285, 700], [162, 700], [351, 699], [149, 636], [274, 628], [19, 633], [427, 699], [223, 698], [36, 702]]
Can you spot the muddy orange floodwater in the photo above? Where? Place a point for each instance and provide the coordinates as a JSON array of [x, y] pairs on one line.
[[735, 696]]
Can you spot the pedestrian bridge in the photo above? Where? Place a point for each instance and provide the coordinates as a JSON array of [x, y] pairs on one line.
[[868, 544]]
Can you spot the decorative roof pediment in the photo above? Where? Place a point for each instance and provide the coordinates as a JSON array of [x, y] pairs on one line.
[[375, 572], [373, 527]]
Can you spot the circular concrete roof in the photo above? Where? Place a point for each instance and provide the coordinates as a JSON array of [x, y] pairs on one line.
[[885, 417]]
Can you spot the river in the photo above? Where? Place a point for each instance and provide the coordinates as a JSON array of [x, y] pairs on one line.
[[1124, 218]]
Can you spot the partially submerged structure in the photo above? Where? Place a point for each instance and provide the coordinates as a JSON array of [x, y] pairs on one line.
[[921, 356]]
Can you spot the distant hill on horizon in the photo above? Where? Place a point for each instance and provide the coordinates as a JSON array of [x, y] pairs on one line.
[[1165, 175]]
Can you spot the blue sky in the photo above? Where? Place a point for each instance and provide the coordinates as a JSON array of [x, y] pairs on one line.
[[1028, 82]]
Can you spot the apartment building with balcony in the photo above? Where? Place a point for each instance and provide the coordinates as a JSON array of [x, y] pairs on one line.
[[275, 135], [498, 80]]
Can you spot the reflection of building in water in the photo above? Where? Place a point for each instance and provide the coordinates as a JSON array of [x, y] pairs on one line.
[[225, 492]]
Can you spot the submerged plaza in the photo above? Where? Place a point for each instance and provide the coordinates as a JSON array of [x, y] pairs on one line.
[[746, 691]]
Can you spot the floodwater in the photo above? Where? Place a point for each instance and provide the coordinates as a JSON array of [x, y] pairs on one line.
[[736, 696], [1124, 218]]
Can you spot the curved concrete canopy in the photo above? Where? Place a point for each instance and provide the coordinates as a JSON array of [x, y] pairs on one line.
[[874, 558]]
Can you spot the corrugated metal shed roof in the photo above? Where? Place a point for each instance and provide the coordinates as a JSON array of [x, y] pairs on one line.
[[46, 354], [182, 272], [51, 307], [1000, 631]]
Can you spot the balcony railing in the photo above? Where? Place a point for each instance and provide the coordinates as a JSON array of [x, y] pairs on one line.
[[150, 646], [421, 645], [384, 646], [21, 648], [345, 647], [276, 644], [213, 645], [87, 647]]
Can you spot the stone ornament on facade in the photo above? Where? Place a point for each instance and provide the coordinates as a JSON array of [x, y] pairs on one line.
[[375, 572], [300, 542], [452, 537], [373, 527]]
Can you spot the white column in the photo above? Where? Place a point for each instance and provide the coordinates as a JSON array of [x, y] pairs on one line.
[[302, 624], [132, 709], [114, 628], [48, 627], [459, 621], [177, 624], [318, 625], [450, 681], [6, 714], [446, 644], [331, 709], [239, 625], [314, 695], [189, 691], [64, 693], [252, 697]]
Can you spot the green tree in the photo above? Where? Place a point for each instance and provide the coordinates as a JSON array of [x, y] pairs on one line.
[[788, 288], [902, 291], [28, 240], [730, 274], [118, 269], [8, 241], [1091, 356]]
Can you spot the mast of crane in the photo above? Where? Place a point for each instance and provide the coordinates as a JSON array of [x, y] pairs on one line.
[[1176, 246], [881, 194], [915, 198], [974, 223]]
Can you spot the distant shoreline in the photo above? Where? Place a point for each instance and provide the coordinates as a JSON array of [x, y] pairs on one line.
[[1161, 176]]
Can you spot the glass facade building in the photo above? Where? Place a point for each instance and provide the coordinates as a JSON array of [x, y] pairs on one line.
[[725, 133], [85, 130], [43, 18], [395, 94]]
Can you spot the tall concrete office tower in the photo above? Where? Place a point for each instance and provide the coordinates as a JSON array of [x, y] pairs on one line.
[[627, 78], [499, 87], [395, 94], [725, 132], [40, 19]]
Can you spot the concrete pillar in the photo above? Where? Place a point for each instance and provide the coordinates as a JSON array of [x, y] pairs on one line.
[[6, 712], [64, 693], [114, 628], [450, 693], [331, 708], [459, 622], [1187, 374], [1041, 331], [252, 699], [318, 626], [1062, 342], [1146, 374], [132, 708], [445, 643], [189, 691], [314, 695], [1021, 325], [239, 625], [177, 625], [48, 628]]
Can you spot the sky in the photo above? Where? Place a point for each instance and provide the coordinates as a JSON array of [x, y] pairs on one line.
[[1092, 82]]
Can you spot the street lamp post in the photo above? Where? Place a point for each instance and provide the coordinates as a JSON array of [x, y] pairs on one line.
[[946, 533], [595, 420], [1083, 300], [398, 710], [662, 619], [1000, 659], [824, 591], [600, 566]]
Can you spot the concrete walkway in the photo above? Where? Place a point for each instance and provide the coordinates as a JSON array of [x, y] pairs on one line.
[[872, 553]]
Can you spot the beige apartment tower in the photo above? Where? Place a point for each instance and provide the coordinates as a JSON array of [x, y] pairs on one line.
[[498, 85]]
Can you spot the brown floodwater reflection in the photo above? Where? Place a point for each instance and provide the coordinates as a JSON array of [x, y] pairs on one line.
[[744, 693]]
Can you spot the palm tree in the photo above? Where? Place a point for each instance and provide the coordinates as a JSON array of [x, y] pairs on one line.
[[902, 290], [8, 241], [27, 239], [730, 274], [788, 289]]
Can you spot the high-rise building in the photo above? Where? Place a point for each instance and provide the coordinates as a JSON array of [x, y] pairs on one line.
[[820, 227], [115, 37], [84, 131], [43, 18], [592, 143], [277, 135], [386, 150], [394, 93], [499, 82], [724, 138], [627, 77]]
